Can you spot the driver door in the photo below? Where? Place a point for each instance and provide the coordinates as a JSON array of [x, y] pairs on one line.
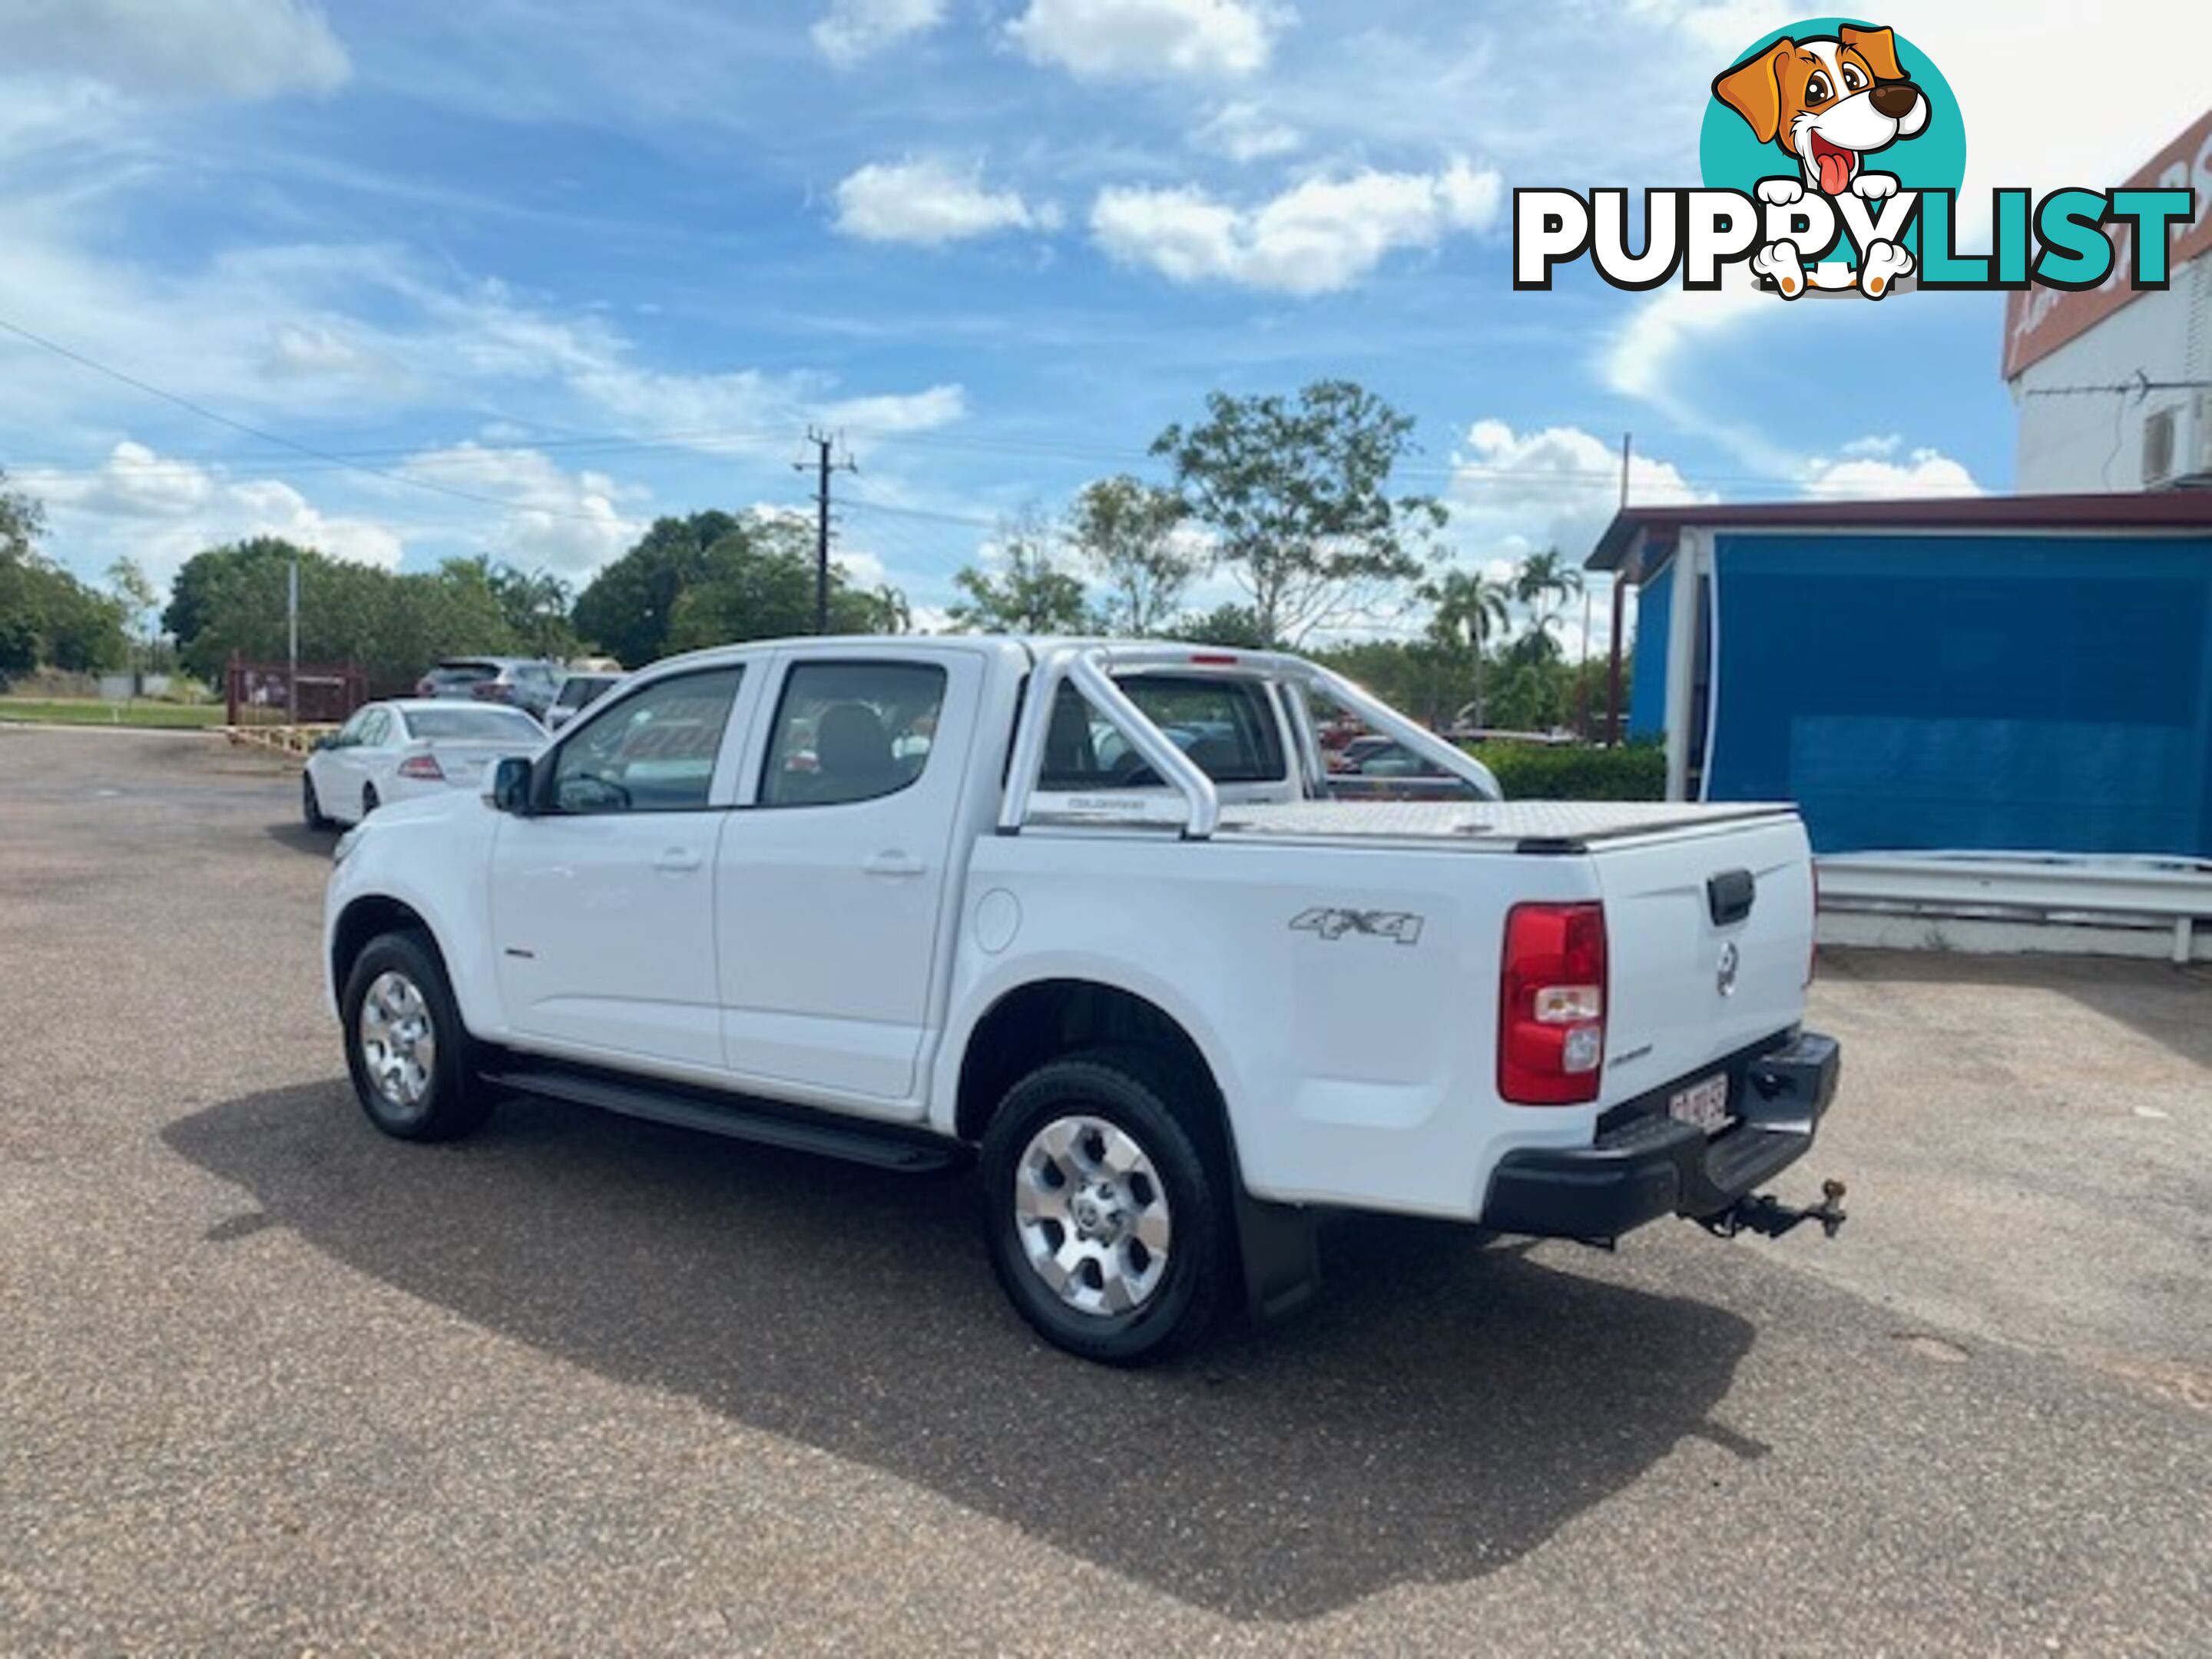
[[602, 898]]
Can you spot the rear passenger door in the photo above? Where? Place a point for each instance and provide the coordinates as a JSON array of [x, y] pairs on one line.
[[832, 878]]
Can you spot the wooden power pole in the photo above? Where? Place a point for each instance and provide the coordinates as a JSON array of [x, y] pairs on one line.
[[825, 462]]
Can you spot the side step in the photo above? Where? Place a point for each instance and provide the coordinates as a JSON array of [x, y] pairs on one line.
[[740, 1117]]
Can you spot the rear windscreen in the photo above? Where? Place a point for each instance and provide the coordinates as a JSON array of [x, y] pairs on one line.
[[461, 673], [483, 725], [1226, 726]]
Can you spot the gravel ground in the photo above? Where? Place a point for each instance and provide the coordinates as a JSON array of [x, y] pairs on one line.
[[270, 1383]]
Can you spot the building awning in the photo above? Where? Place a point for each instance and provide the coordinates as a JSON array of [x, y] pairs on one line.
[[1639, 538]]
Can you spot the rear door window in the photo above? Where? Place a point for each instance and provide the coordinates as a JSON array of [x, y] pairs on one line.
[[849, 731]]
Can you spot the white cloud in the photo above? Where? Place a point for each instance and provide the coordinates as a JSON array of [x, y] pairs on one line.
[[1103, 39], [886, 416], [162, 510], [172, 49], [929, 200], [311, 351], [1866, 474], [853, 29], [1513, 492], [1317, 237], [1720, 26], [1244, 132], [570, 523]]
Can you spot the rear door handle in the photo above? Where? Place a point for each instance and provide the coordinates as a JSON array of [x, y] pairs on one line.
[[895, 863], [678, 860]]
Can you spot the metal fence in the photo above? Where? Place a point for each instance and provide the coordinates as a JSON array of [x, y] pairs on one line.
[[273, 694]]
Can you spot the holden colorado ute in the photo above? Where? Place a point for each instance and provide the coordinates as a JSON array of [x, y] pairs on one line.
[[1087, 914]]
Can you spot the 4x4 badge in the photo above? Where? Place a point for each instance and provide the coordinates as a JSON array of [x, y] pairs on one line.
[[1402, 925]]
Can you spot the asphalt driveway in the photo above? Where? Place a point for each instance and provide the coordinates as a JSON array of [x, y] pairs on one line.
[[272, 1383]]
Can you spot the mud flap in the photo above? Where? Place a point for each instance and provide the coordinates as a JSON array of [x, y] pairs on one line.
[[1279, 1248]]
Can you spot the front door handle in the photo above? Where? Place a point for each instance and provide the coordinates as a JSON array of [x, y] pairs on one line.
[[895, 863], [678, 861]]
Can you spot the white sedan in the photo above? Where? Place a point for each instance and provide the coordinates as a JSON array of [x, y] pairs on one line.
[[395, 750]]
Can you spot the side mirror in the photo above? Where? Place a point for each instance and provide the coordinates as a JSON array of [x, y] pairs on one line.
[[510, 785]]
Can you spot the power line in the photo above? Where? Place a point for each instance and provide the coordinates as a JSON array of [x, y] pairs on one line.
[[206, 414]]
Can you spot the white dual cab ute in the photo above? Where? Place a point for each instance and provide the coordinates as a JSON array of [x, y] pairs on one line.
[[1086, 913]]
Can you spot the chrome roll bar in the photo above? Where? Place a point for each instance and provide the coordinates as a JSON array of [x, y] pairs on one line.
[[1092, 668]]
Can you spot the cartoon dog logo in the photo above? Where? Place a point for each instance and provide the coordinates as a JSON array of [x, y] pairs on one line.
[[1828, 102]]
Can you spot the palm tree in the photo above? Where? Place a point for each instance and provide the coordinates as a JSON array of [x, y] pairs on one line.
[[1469, 606]]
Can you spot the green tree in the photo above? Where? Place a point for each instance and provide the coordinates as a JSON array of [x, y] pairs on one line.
[[1125, 531], [629, 608], [1469, 609], [234, 599], [1545, 582], [757, 583], [47, 616], [1297, 494], [22, 521], [536, 605], [1230, 625], [1030, 591]]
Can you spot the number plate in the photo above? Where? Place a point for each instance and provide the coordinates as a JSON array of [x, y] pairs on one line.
[[1705, 1103]]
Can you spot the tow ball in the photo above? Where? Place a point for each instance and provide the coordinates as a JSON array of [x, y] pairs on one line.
[[1769, 1217]]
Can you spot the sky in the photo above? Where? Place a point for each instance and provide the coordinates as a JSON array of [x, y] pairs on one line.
[[523, 275]]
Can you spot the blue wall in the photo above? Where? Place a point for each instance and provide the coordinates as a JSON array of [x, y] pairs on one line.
[[2031, 693], [1647, 688]]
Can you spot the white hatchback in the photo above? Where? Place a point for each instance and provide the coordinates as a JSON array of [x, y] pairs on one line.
[[395, 750]]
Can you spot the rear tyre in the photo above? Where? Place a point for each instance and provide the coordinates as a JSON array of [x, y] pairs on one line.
[[1107, 1219], [310, 808], [406, 1049]]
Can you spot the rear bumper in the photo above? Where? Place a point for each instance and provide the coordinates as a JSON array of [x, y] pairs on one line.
[[1645, 1164]]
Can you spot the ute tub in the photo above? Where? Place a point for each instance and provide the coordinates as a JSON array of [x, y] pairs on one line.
[[1488, 826]]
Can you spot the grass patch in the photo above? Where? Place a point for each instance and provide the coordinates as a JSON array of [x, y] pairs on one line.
[[141, 712]]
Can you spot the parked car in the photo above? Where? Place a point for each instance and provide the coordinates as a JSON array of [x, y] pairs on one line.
[[1175, 1000], [398, 751], [577, 693], [521, 682]]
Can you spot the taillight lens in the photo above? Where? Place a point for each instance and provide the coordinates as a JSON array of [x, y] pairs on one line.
[[425, 767], [1551, 1005]]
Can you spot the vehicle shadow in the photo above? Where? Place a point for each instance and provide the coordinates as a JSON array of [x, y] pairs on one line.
[[301, 839], [1443, 1411]]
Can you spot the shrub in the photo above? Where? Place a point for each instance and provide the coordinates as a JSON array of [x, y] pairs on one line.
[[1529, 772]]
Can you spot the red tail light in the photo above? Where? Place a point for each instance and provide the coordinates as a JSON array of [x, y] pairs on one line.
[[425, 767], [1551, 1005]]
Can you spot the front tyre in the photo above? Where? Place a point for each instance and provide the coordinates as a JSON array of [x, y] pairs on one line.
[[311, 805], [1106, 1221], [406, 1049]]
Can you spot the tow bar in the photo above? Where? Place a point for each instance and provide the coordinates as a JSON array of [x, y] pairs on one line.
[[1769, 1217]]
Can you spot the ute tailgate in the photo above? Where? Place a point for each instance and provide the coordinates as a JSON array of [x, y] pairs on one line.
[[1709, 940]]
